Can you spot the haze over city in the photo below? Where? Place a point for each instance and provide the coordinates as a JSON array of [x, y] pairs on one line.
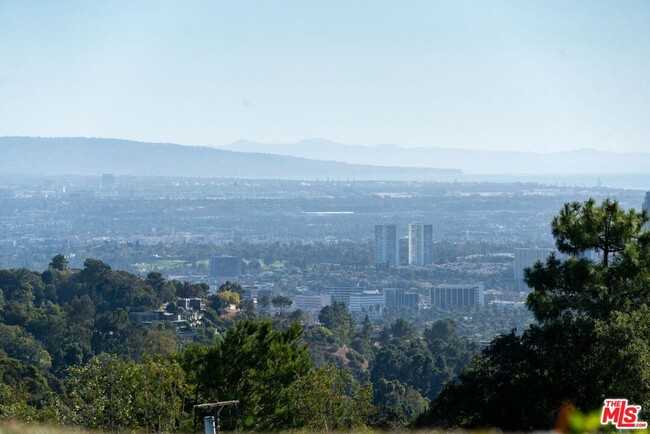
[[334, 216], [535, 76]]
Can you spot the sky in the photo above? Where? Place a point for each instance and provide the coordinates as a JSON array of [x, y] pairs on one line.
[[496, 75]]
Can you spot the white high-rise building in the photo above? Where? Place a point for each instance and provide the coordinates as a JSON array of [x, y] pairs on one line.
[[386, 245], [526, 258], [420, 244]]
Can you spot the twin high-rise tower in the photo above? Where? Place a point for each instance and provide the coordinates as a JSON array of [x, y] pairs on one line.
[[386, 245], [420, 244], [420, 248]]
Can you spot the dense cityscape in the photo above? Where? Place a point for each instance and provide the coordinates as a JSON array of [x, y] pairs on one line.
[[315, 242], [340, 216], [148, 267]]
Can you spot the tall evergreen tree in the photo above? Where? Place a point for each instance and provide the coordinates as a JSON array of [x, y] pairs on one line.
[[591, 340]]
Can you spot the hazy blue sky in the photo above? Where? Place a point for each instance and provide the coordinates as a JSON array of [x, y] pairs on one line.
[[521, 75]]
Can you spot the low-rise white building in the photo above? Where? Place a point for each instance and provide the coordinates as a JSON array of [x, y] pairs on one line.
[[464, 295], [311, 302], [368, 302]]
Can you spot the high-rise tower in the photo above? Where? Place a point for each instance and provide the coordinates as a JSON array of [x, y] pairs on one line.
[[386, 245], [527, 258], [420, 244]]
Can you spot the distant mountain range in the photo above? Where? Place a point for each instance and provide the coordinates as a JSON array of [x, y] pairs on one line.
[[94, 156], [307, 159], [469, 161]]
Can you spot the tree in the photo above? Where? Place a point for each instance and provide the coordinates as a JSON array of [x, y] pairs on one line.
[[17, 343], [59, 263], [330, 399], [398, 405], [443, 341], [150, 342], [264, 301], [95, 272], [232, 287], [366, 328], [444, 330], [337, 318], [227, 298], [165, 290], [103, 393], [113, 394], [21, 285], [161, 391], [282, 302], [82, 310], [189, 289], [25, 393], [412, 364], [606, 229], [591, 337], [255, 364], [580, 287], [402, 329]]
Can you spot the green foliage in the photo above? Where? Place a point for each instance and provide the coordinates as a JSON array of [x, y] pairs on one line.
[[82, 361], [112, 290], [421, 364], [412, 364], [264, 301], [232, 287], [337, 318], [606, 229], [366, 328], [443, 341], [59, 263], [190, 290], [398, 405], [161, 394], [330, 399], [25, 393], [165, 289], [81, 310], [103, 393], [116, 395], [255, 364], [53, 323], [624, 343], [282, 302], [401, 329], [18, 344], [21, 286], [579, 423], [591, 339], [226, 298], [227, 294]]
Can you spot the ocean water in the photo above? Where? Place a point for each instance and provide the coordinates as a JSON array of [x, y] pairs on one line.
[[630, 181]]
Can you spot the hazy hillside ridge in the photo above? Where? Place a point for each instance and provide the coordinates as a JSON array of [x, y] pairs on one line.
[[469, 161], [91, 156]]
